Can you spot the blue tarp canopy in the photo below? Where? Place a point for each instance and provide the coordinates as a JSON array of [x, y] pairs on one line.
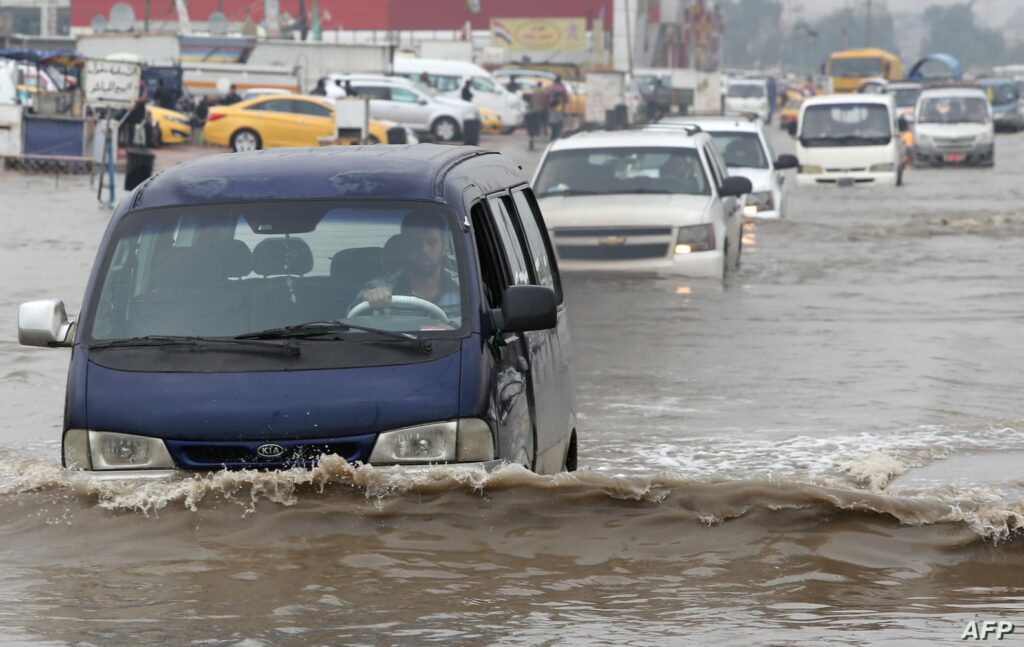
[[955, 71]]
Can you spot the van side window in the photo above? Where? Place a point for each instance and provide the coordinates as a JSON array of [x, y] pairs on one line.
[[501, 210], [489, 256], [532, 223]]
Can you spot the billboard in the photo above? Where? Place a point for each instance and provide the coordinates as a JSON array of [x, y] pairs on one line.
[[540, 34]]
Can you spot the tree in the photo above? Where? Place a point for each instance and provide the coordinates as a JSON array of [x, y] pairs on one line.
[[952, 30]]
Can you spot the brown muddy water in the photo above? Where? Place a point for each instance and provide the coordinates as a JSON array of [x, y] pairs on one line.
[[826, 449]]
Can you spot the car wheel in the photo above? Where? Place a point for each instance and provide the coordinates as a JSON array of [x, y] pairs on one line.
[[445, 129], [246, 140]]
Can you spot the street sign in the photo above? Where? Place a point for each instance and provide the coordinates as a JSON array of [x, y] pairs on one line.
[[111, 84]]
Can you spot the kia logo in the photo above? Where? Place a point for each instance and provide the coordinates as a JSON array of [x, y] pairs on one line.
[[270, 450]]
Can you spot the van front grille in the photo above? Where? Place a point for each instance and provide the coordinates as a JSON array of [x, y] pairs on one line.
[[246, 454]]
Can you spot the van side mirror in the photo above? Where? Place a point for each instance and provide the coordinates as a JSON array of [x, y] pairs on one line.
[[528, 307], [735, 185], [44, 323], [422, 101], [786, 161]]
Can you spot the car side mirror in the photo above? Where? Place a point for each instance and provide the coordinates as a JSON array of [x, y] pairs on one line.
[[903, 124], [422, 101], [528, 307], [44, 323], [786, 161], [735, 185]]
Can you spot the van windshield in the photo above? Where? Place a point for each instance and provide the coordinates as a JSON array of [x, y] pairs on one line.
[[746, 91], [846, 124], [953, 110], [230, 269], [603, 171]]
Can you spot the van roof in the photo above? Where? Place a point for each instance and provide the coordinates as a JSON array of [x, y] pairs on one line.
[[412, 172], [662, 138], [953, 92], [829, 99]]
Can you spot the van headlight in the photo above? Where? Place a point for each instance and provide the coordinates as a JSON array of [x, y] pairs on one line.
[[984, 138], [695, 238], [810, 169], [759, 201], [466, 440], [106, 450], [923, 140]]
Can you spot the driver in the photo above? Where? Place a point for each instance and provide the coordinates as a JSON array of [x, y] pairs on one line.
[[680, 172], [423, 275]]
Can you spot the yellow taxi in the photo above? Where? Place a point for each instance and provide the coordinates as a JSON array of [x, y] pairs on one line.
[[170, 126], [491, 123], [273, 121]]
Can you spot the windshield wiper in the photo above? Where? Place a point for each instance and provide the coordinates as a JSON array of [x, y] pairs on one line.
[[568, 192], [184, 340], [314, 329]]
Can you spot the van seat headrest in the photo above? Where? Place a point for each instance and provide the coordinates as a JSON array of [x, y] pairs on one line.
[[277, 256]]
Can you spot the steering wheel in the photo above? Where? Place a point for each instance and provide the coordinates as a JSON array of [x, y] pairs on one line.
[[425, 306]]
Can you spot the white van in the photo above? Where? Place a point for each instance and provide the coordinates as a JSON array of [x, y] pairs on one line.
[[448, 77], [954, 126], [748, 96], [849, 140]]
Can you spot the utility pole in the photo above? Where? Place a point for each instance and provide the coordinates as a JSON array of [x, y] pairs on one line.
[[868, 32]]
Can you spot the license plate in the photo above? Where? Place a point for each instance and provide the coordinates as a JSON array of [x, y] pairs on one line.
[[845, 181], [955, 157]]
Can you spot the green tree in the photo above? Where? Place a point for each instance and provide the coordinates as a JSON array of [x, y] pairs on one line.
[[953, 30]]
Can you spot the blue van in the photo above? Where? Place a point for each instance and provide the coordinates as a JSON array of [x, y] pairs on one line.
[[1007, 103], [393, 305]]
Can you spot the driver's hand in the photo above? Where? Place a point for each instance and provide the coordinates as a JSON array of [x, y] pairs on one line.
[[378, 298]]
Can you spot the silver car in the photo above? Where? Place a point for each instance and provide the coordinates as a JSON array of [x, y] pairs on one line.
[[399, 100]]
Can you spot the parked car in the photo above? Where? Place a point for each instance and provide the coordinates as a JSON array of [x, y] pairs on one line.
[[390, 305], [169, 126], [1007, 103], [749, 96], [954, 126], [255, 93], [747, 152], [659, 200], [270, 121], [849, 140], [448, 77], [404, 102]]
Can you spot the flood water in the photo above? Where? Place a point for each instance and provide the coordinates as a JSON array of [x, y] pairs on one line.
[[825, 449]]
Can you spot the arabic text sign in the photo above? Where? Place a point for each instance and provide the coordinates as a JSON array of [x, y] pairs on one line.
[[113, 84], [547, 34]]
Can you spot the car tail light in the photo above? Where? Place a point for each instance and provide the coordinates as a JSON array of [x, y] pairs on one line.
[[214, 116]]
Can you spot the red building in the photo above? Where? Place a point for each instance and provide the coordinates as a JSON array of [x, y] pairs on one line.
[[361, 14]]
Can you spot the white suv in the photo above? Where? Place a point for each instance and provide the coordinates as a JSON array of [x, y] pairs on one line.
[[401, 101], [643, 201], [747, 151]]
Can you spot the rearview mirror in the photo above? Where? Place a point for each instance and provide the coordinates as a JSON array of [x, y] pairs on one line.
[[528, 307], [735, 185], [786, 161], [44, 323]]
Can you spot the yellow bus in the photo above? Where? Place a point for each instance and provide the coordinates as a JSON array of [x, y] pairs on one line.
[[849, 69]]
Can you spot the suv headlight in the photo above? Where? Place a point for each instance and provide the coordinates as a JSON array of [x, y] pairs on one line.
[[106, 450], [759, 201], [695, 238], [466, 440]]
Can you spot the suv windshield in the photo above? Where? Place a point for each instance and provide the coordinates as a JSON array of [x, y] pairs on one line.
[[740, 149], [856, 67], [746, 91], [953, 110], [846, 124], [597, 171], [231, 269]]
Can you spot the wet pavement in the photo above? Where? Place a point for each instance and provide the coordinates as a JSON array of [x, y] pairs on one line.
[[826, 447]]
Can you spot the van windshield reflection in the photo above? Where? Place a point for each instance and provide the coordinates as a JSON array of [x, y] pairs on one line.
[[221, 271]]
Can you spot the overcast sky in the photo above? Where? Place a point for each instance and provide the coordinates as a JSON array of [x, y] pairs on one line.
[[989, 12]]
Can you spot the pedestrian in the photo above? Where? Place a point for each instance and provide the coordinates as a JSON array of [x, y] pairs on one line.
[[321, 88], [425, 80], [232, 96], [349, 90], [467, 91], [165, 96], [557, 99]]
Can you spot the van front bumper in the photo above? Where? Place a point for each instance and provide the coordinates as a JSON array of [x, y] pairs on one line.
[[844, 179], [979, 154], [178, 474]]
